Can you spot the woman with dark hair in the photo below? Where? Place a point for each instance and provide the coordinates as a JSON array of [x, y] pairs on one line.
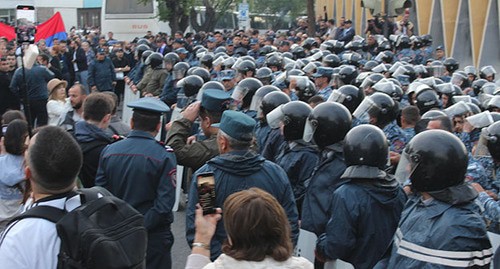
[[258, 234], [15, 141]]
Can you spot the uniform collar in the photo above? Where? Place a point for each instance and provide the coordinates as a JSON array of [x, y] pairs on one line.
[[142, 134]]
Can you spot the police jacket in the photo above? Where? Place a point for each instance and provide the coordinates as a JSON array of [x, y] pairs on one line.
[[364, 215], [236, 171], [101, 74], [169, 92], [262, 131], [434, 234], [92, 141], [194, 155], [141, 171], [273, 143], [323, 182], [298, 159], [37, 78], [154, 85]]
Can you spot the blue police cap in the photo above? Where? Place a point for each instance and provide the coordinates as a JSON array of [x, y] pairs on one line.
[[211, 39], [227, 74], [440, 48], [149, 104], [229, 42], [254, 41], [181, 50], [323, 72], [215, 100], [237, 125], [101, 51]]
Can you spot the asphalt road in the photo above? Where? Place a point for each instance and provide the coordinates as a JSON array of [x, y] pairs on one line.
[[180, 250]]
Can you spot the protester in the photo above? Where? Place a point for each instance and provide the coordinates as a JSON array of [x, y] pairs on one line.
[[258, 234]]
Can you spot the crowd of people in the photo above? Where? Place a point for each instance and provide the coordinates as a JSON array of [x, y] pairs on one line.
[[383, 147]]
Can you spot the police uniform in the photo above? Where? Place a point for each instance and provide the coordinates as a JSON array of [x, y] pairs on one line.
[[325, 179], [435, 234], [298, 159], [324, 72], [395, 136], [239, 170], [141, 171], [197, 154]]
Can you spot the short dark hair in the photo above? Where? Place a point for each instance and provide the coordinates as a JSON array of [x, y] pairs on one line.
[[44, 57], [145, 121], [55, 159], [315, 100], [445, 123], [15, 136], [411, 114], [257, 225], [114, 97], [96, 106], [83, 90], [11, 115], [214, 116]]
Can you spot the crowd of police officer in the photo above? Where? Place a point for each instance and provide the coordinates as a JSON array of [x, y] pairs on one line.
[[329, 113]]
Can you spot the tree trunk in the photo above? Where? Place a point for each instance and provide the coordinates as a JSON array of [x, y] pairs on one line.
[[311, 18]]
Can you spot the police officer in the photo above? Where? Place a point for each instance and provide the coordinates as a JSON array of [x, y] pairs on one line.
[[440, 226], [194, 155], [297, 157], [322, 80], [327, 125], [270, 139], [141, 171], [381, 111], [154, 84], [236, 168], [365, 211]]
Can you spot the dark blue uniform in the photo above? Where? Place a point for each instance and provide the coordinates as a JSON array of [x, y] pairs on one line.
[[363, 218], [236, 171], [262, 131], [324, 181], [142, 172], [272, 146], [298, 159]]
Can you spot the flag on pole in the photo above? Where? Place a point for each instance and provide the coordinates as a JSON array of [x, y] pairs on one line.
[[52, 28]]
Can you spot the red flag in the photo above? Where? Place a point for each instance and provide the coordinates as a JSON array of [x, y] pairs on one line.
[[52, 28], [7, 31]]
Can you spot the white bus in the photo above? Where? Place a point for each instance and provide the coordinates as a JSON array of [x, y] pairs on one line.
[[128, 19]]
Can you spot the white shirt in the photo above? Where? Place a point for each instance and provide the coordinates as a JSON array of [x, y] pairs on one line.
[[55, 108], [33, 242]]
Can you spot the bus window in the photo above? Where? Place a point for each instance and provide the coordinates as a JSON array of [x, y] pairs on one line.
[[128, 7]]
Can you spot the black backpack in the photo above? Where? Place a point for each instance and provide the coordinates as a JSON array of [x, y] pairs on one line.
[[104, 232]]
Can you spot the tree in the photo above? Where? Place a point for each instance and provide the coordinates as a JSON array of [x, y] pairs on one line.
[[214, 9], [175, 12], [311, 18], [281, 8]]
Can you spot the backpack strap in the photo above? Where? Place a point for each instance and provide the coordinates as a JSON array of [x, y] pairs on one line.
[[49, 213], [91, 194]]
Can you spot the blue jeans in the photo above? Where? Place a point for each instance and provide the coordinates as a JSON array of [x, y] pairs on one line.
[[81, 77]]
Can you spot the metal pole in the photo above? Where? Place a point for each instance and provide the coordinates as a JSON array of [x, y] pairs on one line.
[[385, 5], [24, 91]]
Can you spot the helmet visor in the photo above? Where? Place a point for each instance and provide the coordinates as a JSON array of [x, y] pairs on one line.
[[275, 117], [457, 109], [438, 71], [256, 102], [405, 168], [239, 93], [361, 112], [480, 120], [337, 97], [178, 74], [464, 98], [309, 129]]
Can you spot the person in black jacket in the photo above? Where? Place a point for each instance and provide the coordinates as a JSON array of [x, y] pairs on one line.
[[101, 75], [91, 136], [79, 60]]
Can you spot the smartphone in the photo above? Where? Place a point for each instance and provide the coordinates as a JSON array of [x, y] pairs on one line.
[[206, 192], [25, 24]]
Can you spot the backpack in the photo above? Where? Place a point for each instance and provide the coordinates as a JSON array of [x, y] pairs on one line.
[[104, 232]]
